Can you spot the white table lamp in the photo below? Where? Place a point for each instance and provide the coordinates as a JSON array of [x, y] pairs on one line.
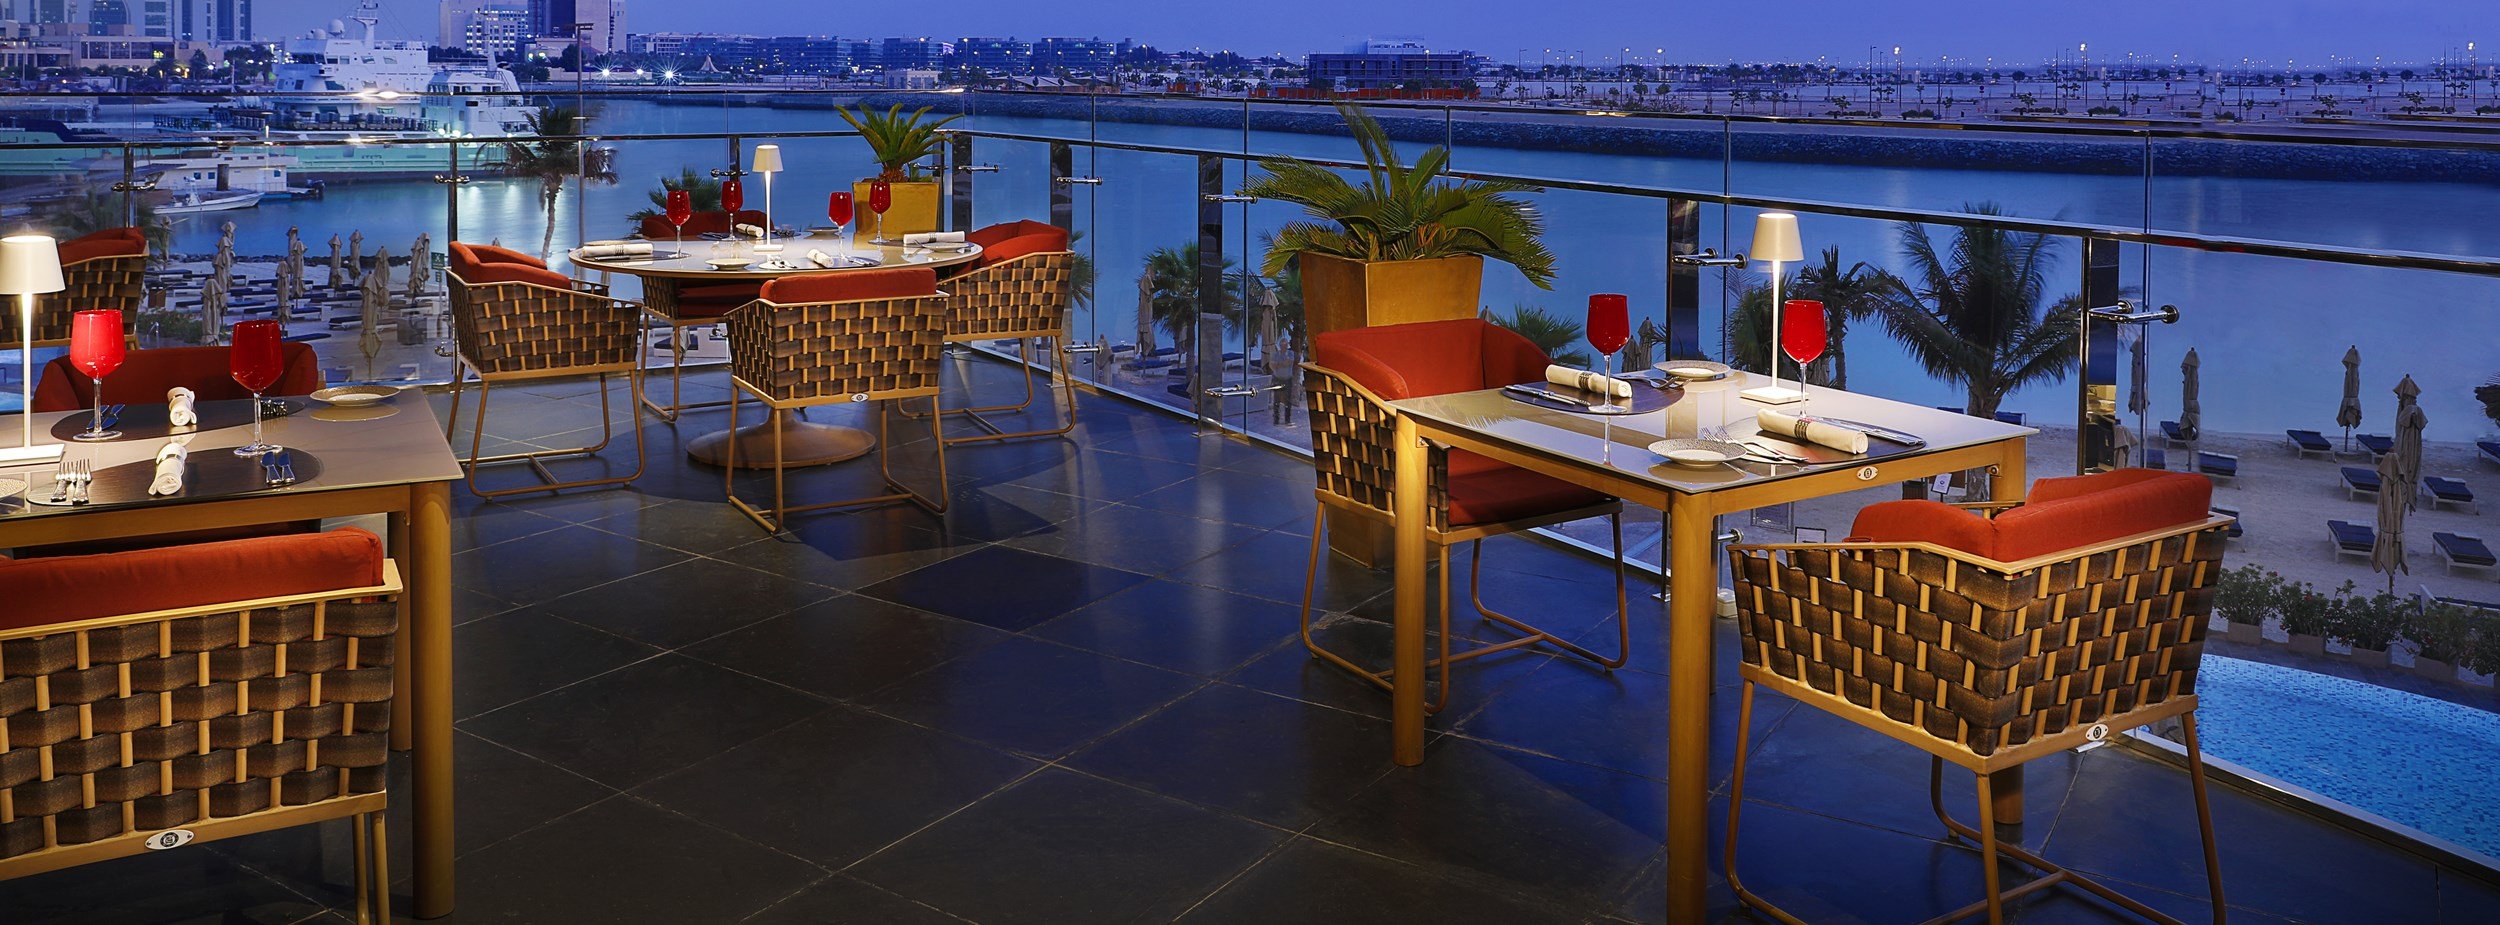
[[1775, 240], [30, 264], [767, 162]]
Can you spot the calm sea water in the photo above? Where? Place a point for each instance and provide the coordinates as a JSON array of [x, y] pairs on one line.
[[2269, 331]]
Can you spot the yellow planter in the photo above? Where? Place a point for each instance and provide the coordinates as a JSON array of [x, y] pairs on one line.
[[913, 209], [1338, 293]]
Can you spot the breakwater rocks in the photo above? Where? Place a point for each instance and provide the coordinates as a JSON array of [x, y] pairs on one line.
[[1908, 147]]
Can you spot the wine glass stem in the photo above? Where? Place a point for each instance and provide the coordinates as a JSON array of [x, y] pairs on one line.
[[99, 407], [256, 443]]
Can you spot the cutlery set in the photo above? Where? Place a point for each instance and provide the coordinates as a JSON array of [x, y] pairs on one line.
[[277, 470], [69, 483]]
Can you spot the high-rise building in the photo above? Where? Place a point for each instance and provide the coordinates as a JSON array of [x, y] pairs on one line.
[[42, 12], [995, 55], [1072, 54], [495, 28], [105, 17], [606, 32], [156, 19], [897, 54]]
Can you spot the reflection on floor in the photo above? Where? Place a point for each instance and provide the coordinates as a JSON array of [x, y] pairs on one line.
[[1078, 698]]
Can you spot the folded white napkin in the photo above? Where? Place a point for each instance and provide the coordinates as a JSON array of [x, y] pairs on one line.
[[752, 231], [1811, 430], [933, 237], [820, 258], [1587, 381], [178, 408], [597, 249], [169, 467]]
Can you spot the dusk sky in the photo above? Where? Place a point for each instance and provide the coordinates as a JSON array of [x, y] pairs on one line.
[[2215, 31]]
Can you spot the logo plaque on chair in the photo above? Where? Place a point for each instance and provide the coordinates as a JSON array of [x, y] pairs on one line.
[[170, 838]]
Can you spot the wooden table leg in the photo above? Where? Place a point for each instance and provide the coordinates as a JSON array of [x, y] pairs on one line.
[[1406, 694], [403, 686], [2010, 484], [1692, 607], [429, 586]]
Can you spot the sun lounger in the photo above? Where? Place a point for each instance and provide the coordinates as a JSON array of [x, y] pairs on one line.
[[2351, 539], [2361, 482], [2218, 465], [2238, 527], [2177, 435], [2490, 450], [2378, 444], [2015, 418], [2443, 490], [2305, 442], [2464, 550], [2156, 459]]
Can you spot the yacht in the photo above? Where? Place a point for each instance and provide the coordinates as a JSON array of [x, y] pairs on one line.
[[346, 83]]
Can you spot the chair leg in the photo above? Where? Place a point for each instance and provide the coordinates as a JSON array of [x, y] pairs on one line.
[[676, 406], [1988, 851], [1736, 809], [2050, 874], [2204, 814], [536, 459], [1067, 416], [1532, 635], [381, 868], [459, 378], [361, 833]]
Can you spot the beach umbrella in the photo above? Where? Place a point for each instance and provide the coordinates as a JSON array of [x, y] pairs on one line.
[[2410, 422], [1270, 344], [1145, 315], [291, 277], [2139, 372], [2348, 415], [356, 255], [377, 302], [213, 299], [2387, 554], [420, 263], [2191, 418], [338, 265]]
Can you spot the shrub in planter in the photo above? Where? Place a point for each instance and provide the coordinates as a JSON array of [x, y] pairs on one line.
[[2442, 636], [2242, 598], [2368, 624], [2305, 615], [2484, 658]]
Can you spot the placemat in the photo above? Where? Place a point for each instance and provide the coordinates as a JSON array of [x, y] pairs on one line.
[[209, 473]]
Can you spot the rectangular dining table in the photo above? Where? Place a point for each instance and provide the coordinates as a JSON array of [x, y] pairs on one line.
[[1611, 455], [388, 459]]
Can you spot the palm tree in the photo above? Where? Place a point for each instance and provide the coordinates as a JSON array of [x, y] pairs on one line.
[[550, 156], [1558, 336], [1971, 314], [1851, 294], [703, 189], [93, 211], [1172, 284]]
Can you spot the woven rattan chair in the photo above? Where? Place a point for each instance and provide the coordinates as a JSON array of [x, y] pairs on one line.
[[1349, 383], [515, 321], [678, 306], [107, 269], [1018, 290], [1989, 643], [837, 338], [145, 713]]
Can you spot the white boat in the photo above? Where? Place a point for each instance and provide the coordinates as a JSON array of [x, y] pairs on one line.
[[260, 170], [193, 203], [342, 85]]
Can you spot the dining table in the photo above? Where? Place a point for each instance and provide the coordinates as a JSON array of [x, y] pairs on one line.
[[387, 459], [672, 267], [1612, 454]]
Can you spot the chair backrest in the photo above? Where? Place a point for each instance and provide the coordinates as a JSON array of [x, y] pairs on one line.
[[466, 256], [1354, 372], [1007, 241], [103, 269], [845, 335], [146, 375], [1020, 286], [1981, 653], [137, 720], [520, 317], [657, 228]]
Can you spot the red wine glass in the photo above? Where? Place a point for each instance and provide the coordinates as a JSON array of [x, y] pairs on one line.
[[733, 197], [95, 347], [838, 211], [255, 362], [1609, 328], [1803, 335], [880, 198], [680, 210]]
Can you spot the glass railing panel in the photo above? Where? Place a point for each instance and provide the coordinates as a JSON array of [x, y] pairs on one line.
[[1144, 243], [2422, 193], [1590, 143], [2093, 179]]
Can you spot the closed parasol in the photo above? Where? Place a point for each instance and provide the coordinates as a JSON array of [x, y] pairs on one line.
[[2387, 554], [420, 265], [338, 265], [2191, 417], [2410, 422], [377, 303], [356, 256], [2348, 415]]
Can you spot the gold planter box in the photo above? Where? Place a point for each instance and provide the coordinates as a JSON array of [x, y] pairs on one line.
[[912, 210], [1338, 293]]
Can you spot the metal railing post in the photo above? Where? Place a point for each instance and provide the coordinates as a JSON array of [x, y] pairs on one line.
[[1062, 195], [1683, 279], [959, 182], [1207, 353], [2096, 381]]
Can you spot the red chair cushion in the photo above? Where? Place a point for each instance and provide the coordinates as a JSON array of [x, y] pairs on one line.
[[68, 588], [1430, 358], [657, 228], [146, 375], [1483, 491], [993, 235], [1009, 240], [715, 300], [851, 285], [486, 274], [2076, 512], [110, 242], [475, 254]]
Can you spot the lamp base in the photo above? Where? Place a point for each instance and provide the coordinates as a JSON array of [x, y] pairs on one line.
[[768, 248], [22, 455], [1774, 395]]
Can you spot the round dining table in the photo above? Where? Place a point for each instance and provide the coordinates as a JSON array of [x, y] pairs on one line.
[[671, 267]]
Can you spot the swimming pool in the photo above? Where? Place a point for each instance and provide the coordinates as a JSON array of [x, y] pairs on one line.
[[2416, 761]]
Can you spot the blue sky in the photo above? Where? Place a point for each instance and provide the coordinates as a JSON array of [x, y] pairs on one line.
[[2017, 31]]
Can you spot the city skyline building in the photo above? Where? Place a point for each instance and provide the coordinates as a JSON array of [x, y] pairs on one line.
[[494, 28]]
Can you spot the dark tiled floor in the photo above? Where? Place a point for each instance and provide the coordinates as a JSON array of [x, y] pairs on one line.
[[1079, 698]]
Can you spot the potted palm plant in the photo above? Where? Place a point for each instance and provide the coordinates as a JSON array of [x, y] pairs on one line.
[[1405, 243], [899, 142]]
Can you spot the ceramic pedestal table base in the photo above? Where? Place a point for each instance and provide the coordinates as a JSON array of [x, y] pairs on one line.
[[803, 443]]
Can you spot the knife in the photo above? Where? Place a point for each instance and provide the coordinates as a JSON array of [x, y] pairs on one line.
[[1538, 394], [1874, 430]]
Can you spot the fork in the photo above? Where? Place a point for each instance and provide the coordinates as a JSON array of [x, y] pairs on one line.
[[60, 483], [82, 473]]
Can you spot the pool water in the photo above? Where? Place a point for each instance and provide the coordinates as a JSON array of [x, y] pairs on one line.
[[2416, 761]]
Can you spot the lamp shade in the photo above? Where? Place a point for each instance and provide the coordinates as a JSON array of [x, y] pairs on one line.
[[29, 263], [767, 159], [1775, 238]]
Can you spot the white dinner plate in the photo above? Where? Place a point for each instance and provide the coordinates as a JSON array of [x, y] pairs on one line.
[[1695, 370], [355, 394], [1698, 454], [728, 263]]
